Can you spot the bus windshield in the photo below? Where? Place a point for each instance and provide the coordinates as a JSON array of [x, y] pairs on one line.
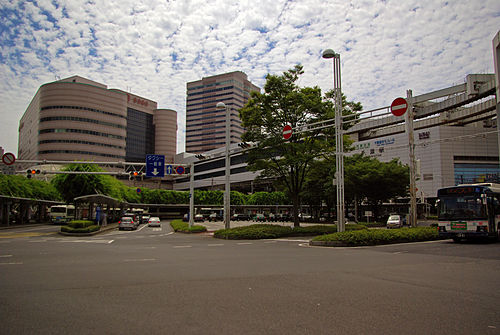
[[461, 208], [55, 209]]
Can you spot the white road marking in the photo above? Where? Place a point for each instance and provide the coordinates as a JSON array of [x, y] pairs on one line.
[[88, 241]]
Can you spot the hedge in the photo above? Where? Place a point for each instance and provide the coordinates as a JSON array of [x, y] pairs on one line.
[[80, 223], [80, 227], [266, 231], [183, 227], [377, 236], [89, 229]]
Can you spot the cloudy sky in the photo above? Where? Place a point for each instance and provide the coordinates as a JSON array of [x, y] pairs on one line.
[[153, 47]]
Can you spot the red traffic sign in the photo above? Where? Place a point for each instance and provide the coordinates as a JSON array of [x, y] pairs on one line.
[[8, 158], [399, 106], [180, 170], [287, 132]]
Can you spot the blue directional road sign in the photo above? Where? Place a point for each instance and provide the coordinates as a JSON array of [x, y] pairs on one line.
[[155, 166], [169, 169]]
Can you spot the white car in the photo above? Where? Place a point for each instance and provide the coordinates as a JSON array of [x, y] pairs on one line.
[[394, 221], [154, 222]]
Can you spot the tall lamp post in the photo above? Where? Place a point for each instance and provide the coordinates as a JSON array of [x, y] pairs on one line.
[[227, 192], [339, 140]]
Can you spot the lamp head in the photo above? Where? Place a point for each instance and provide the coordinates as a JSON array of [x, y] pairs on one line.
[[329, 53]]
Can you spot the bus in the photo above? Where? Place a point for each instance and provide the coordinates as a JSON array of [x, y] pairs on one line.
[[62, 213], [469, 211]]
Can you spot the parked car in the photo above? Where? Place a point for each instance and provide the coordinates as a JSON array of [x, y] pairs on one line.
[[145, 218], [127, 222], [215, 217], [130, 215], [259, 217], [394, 221], [283, 217], [240, 217], [154, 222]]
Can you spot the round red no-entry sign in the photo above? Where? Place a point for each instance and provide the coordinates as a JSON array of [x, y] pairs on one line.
[[287, 132], [399, 106], [8, 158]]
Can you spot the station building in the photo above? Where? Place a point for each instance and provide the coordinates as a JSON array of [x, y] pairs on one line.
[[79, 119]]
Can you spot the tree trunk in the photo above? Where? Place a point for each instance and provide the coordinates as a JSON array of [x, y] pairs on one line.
[[296, 209]]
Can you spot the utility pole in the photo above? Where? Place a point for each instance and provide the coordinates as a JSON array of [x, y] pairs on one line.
[[411, 153]]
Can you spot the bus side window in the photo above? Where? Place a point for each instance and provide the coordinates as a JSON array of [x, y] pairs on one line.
[[496, 204]]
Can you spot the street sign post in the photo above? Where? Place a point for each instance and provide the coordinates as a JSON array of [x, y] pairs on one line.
[[155, 166], [180, 170], [8, 158], [169, 170], [399, 106], [287, 132]]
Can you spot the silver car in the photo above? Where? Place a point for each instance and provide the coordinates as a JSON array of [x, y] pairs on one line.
[[394, 221], [127, 222], [154, 222]]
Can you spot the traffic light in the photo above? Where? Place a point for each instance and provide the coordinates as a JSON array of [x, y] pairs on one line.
[[32, 172], [134, 174]]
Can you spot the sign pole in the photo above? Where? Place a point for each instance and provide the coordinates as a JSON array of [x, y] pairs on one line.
[[411, 154], [191, 195]]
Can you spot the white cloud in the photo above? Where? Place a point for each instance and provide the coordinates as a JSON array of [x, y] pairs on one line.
[[155, 47]]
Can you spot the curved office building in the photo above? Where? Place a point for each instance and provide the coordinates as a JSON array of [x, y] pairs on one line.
[[79, 119]]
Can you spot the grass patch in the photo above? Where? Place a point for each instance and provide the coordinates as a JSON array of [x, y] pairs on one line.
[[380, 236], [183, 227], [266, 231]]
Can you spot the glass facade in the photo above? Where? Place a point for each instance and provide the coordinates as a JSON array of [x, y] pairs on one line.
[[467, 173], [140, 139]]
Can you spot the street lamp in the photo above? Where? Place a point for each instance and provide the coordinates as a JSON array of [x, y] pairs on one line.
[[339, 140], [227, 192]]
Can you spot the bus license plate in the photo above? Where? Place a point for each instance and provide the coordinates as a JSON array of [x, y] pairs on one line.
[[459, 226]]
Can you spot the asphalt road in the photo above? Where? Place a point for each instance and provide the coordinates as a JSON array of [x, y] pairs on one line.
[[157, 282]]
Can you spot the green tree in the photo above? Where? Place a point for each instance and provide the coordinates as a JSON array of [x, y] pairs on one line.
[[367, 177], [74, 185], [264, 116], [22, 187]]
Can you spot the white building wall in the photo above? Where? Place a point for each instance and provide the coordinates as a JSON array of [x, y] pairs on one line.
[[436, 148]]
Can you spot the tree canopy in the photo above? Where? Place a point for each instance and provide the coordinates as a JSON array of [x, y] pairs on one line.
[[264, 117]]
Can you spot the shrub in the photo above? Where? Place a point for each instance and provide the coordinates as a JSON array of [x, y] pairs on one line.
[[81, 230], [80, 223], [380, 236], [181, 226], [263, 231], [373, 224]]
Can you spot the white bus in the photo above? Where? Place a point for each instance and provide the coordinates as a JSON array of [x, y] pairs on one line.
[[468, 211], [62, 213]]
